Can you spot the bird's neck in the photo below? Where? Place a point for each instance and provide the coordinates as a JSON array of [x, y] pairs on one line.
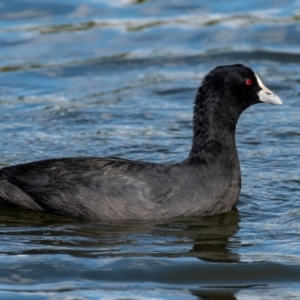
[[209, 145], [213, 133]]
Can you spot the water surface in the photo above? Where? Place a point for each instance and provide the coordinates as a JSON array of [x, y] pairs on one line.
[[118, 78]]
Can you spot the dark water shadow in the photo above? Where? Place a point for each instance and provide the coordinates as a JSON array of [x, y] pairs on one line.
[[209, 239], [215, 294]]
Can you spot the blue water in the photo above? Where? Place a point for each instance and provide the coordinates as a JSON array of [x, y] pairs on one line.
[[118, 78]]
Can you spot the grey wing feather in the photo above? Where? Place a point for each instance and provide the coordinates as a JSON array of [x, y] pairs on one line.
[[92, 188]]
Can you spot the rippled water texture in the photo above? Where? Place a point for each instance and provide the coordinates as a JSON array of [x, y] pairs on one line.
[[118, 78]]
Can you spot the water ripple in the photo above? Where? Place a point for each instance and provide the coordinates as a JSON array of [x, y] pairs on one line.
[[119, 78]]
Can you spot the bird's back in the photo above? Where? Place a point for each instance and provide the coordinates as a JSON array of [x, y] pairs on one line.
[[87, 188]]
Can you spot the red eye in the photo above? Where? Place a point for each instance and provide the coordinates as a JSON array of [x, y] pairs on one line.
[[248, 81]]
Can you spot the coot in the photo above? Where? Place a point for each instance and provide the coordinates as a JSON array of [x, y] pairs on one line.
[[207, 182]]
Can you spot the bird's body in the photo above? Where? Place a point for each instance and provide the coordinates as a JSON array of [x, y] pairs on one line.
[[206, 183], [96, 188]]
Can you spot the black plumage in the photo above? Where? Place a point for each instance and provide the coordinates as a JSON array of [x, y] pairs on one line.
[[207, 182]]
